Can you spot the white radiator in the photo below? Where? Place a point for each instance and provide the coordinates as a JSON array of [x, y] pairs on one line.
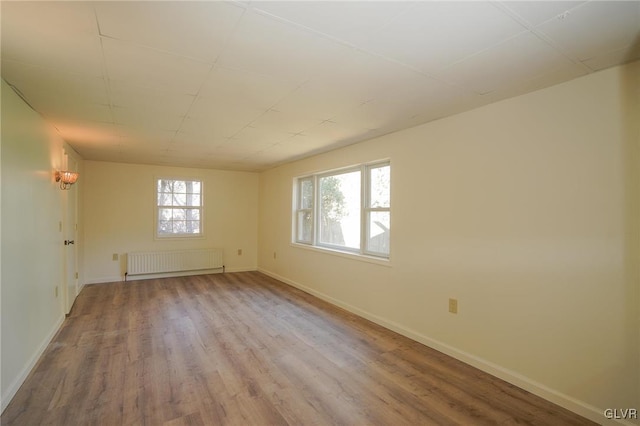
[[158, 262]]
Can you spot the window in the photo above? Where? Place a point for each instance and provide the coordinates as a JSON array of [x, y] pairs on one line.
[[305, 211], [347, 210], [378, 209], [179, 208]]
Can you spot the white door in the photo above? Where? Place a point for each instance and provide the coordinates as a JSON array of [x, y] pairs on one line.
[[70, 233]]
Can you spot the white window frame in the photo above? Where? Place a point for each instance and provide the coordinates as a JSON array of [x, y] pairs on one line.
[[365, 210], [157, 207], [300, 209]]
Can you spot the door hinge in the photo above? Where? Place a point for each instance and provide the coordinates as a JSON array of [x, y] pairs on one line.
[[76, 275]]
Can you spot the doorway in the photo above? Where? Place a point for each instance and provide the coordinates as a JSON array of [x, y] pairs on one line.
[[70, 234]]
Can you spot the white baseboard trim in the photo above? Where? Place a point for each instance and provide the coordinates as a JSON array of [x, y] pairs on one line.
[[242, 269], [105, 280], [19, 380], [579, 407]]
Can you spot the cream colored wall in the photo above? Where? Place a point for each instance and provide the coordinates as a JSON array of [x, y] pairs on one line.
[[119, 209], [31, 240], [521, 211]]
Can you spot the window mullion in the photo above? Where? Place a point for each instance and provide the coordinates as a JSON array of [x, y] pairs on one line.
[[364, 204], [317, 211]]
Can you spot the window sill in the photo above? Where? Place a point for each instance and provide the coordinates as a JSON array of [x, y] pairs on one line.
[[179, 237], [355, 256]]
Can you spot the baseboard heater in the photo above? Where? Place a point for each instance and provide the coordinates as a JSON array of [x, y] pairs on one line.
[[174, 261]]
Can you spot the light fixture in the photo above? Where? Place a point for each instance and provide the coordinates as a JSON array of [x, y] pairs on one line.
[[66, 178]]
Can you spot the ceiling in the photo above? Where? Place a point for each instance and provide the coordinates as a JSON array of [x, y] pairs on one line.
[[251, 85]]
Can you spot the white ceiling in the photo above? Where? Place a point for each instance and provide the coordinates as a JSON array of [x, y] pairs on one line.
[[250, 85]]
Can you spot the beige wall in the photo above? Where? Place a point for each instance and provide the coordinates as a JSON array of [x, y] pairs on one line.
[[526, 212], [32, 255], [119, 209]]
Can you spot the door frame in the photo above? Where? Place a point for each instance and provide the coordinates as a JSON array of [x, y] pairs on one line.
[[70, 288]]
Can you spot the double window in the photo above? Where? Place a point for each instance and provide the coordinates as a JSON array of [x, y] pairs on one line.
[[347, 210], [179, 208]]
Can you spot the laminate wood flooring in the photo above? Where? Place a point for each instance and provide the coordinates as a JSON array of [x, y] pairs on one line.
[[245, 349]]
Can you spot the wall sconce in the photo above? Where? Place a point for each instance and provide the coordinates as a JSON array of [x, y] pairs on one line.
[[66, 178]]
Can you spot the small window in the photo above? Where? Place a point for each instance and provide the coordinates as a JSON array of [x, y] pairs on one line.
[[347, 210], [378, 210], [179, 208], [304, 213]]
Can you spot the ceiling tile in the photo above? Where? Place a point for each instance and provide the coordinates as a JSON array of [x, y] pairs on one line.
[[537, 12], [201, 149], [60, 36], [233, 110], [259, 138], [433, 35], [334, 132], [547, 78], [521, 58], [431, 102], [376, 114], [366, 76], [190, 140], [294, 147], [146, 118], [595, 28], [194, 29], [265, 45], [37, 84], [248, 85], [350, 21], [303, 145], [149, 137], [260, 90], [126, 95], [317, 101], [237, 148], [284, 122], [216, 127], [59, 109], [88, 134], [620, 56], [153, 69]]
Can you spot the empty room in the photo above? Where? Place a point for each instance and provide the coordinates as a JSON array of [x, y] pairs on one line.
[[320, 212]]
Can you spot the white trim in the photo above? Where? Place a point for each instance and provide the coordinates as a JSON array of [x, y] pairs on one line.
[[579, 407], [107, 280], [200, 208], [173, 274], [242, 269], [104, 280], [384, 261], [19, 380], [364, 170]]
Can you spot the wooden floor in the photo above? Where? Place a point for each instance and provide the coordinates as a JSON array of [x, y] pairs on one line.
[[244, 349]]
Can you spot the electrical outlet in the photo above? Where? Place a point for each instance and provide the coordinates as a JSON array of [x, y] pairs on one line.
[[453, 306], [239, 252], [274, 255], [115, 256], [56, 291]]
